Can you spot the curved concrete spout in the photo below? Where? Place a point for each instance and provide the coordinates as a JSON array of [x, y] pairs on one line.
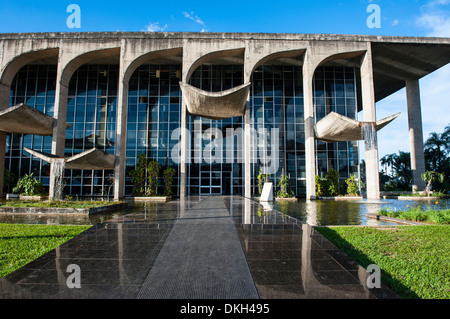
[[93, 159], [23, 119], [338, 128], [215, 105]]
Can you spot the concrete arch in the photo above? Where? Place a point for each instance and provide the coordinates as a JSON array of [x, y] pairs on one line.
[[344, 56], [231, 53], [347, 59], [13, 66], [289, 57], [6, 77], [74, 64], [65, 73], [151, 56]]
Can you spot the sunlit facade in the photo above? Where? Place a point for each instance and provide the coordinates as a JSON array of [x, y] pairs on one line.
[[154, 113], [128, 94]]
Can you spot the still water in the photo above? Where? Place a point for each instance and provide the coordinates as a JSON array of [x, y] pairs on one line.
[[316, 213], [334, 213]]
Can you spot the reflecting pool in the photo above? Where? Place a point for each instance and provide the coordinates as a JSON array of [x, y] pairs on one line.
[[334, 213], [315, 213]]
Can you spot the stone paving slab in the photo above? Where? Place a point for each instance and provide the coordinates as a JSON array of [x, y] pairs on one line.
[[211, 248], [201, 259]]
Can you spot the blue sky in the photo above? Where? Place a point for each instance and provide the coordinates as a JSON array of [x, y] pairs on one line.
[[398, 18]]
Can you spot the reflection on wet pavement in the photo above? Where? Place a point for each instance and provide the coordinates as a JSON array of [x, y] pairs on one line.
[[285, 258]]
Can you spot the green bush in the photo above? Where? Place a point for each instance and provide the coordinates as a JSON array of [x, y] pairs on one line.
[[284, 185], [168, 174], [333, 182], [352, 185], [145, 176], [321, 187], [153, 173], [29, 186], [328, 186]]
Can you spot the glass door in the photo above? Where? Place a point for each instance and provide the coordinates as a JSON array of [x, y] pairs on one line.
[[211, 183]]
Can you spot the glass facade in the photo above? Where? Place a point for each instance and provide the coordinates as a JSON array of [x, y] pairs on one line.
[[335, 91], [154, 112], [277, 103], [35, 86], [212, 170], [92, 113]]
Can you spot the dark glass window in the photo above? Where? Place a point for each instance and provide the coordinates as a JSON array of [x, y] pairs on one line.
[[338, 83]]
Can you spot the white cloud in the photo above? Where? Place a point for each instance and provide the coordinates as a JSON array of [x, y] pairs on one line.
[[395, 22], [155, 27], [438, 25], [190, 15], [434, 90], [435, 19]]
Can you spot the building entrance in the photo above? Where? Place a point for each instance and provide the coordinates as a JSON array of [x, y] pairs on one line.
[[211, 183]]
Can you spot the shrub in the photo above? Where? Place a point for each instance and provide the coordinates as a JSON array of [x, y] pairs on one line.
[[168, 174], [352, 185], [333, 182], [284, 185], [145, 176], [139, 175], [321, 187], [153, 173], [29, 186]]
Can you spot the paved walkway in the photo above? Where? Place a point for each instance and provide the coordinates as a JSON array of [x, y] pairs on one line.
[[206, 248], [201, 259]]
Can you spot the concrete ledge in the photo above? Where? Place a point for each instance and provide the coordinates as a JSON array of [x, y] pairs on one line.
[[412, 198], [62, 211], [23, 197], [158, 199], [396, 220], [289, 199], [340, 198]]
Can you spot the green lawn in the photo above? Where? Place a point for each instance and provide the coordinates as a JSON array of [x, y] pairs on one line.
[[21, 244], [415, 260], [418, 214]]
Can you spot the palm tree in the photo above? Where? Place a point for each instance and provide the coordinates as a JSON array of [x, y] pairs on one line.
[[446, 137], [430, 177], [402, 168], [435, 147], [387, 162]]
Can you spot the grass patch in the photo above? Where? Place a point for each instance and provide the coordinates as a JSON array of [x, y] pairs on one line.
[[21, 244], [58, 204], [418, 214], [414, 259]]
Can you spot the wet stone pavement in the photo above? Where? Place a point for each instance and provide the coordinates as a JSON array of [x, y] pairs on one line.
[[219, 247]]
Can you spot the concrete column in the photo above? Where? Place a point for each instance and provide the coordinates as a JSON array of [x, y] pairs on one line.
[[121, 133], [308, 74], [4, 103], [247, 154], [415, 134], [248, 68], [183, 162], [59, 129], [368, 100], [2, 160], [183, 125], [60, 114]]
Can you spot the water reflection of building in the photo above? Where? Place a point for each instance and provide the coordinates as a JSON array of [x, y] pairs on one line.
[[288, 259]]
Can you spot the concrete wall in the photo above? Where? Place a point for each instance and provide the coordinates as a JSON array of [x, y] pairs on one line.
[[71, 50]]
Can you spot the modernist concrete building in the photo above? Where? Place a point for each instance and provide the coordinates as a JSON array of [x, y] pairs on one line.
[[218, 107]]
